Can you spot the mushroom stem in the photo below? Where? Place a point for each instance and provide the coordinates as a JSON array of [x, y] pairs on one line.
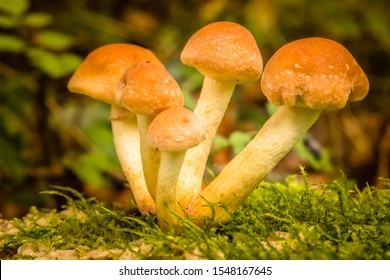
[[241, 176], [166, 192], [127, 146], [211, 106], [149, 155]]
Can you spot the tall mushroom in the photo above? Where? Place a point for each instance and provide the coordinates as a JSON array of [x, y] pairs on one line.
[[98, 77], [146, 90], [304, 77], [226, 54], [172, 132]]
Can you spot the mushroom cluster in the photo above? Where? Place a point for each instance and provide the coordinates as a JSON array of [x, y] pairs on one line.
[[163, 147]]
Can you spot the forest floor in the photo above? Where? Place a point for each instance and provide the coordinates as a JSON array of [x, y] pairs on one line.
[[289, 220]]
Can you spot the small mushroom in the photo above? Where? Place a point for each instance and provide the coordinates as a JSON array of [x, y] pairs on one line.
[[304, 77], [147, 89], [226, 54], [172, 132], [97, 77]]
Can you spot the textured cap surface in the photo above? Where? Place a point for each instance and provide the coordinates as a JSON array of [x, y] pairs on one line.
[[175, 129], [101, 70], [224, 51], [314, 72], [148, 89]]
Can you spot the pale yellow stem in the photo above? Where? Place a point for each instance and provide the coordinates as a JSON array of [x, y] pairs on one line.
[[166, 191], [127, 146], [211, 106], [241, 176], [150, 156]]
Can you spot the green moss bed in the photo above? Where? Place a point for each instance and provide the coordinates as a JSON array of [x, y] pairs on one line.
[[289, 220]]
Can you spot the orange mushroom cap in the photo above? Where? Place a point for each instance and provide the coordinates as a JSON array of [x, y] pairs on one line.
[[175, 129], [224, 51], [313, 72], [148, 89], [101, 70]]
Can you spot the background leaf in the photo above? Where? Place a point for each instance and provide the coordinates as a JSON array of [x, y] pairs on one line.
[[54, 65], [38, 19], [11, 43], [8, 22], [54, 40], [15, 7]]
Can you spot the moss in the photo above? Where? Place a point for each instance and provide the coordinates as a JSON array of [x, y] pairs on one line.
[[290, 220]]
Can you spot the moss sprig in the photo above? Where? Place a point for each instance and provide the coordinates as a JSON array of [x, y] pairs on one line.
[[289, 220]]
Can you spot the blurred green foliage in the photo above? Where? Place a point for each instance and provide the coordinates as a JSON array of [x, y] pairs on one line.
[[49, 136], [33, 51]]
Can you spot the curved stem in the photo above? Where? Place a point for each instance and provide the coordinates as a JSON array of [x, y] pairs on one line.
[[150, 156], [241, 176], [166, 191], [211, 106], [127, 146]]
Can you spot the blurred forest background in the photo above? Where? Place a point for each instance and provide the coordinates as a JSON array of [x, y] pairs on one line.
[[49, 136]]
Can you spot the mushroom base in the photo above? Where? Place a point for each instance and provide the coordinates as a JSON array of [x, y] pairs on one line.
[[241, 176], [171, 163]]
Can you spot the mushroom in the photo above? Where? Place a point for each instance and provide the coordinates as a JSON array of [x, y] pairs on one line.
[[146, 89], [304, 77], [97, 77], [172, 132], [226, 54]]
